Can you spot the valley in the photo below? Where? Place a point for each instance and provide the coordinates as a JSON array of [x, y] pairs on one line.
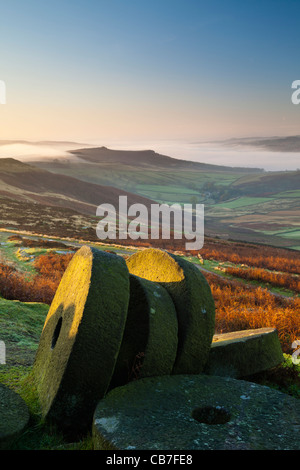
[[250, 255], [240, 203]]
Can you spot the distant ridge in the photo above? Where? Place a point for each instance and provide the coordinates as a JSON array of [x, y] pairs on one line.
[[149, 158], [274, 143]]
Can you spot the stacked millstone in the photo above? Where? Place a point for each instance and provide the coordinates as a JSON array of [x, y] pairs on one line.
[[200, 404], [108, 325], [150, 339], [113, 321], [192, 299]]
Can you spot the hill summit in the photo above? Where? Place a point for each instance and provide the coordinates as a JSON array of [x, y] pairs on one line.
[[149, 158]]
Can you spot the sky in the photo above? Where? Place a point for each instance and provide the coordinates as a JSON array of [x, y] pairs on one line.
[[160, 70]]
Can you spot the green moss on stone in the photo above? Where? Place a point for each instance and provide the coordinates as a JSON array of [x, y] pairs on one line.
[[14, 416], [158, 413], [242, 353], [192, 299], [81, 338], [150, 338]]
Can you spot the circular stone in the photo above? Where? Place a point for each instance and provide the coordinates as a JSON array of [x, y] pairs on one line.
[[242, 353], [81, 338], [193, 302], [14, 416], [150, 339], [190, 412]]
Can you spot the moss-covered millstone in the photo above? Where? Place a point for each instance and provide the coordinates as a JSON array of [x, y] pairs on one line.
[[150, 338], [193, 302], [81, 338], [242, 353], [196, 412], [14, 416]]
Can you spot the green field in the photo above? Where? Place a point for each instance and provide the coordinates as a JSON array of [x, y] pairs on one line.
[[241, 204], [292, 194], [9, 253], [294, 234], [243, 201]]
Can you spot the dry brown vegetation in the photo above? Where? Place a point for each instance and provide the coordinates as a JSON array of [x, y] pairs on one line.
[[39, 288], [263, 256], [277, 279], [239, 306]]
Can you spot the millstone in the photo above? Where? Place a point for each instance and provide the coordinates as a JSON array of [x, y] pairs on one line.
[[14, 416], [196, 412], [81, 338], [193, 302], [242, 353], [150, 339]]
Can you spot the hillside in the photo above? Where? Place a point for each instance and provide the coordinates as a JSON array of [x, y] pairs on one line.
[[28, 183], [150, 158], [240, 203], [267, 184]]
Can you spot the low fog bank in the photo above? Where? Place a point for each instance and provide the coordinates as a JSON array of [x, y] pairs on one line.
[[36, 152], [215, 153]]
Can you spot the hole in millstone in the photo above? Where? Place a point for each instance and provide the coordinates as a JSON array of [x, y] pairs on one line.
[[211, 415], [56, 333]]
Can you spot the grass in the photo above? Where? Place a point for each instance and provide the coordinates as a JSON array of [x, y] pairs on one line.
[[20, 328], [243, 202], [291, 234], [38, 435], [289, 194], [21, 324], [9, 252], [23, 329], [217, 267]]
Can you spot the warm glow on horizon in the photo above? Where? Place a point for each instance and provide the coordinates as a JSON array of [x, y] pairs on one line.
[[152, 72]]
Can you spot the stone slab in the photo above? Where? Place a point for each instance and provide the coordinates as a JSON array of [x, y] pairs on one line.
[[14, 416], [242, 353], [193, 302], [150, 339], [196, 412], [81, 338]]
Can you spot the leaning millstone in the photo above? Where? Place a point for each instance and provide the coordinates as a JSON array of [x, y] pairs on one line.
[[193, 302], [14, 416], [81, 338], [150, 338], [196, 412], [242, 353]]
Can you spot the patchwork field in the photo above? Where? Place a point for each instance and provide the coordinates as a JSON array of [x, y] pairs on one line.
[[240, 203]]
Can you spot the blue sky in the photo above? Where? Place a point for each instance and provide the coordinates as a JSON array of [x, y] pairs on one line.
[[168, 69]]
